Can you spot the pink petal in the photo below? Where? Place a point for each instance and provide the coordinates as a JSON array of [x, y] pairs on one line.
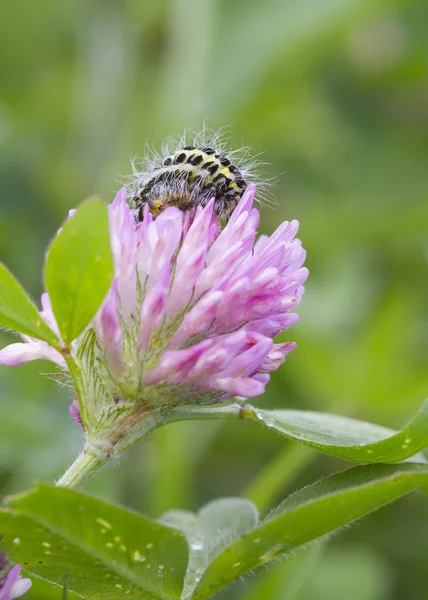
[[246, 387], [74, 411], [48, 315], [108, 328], [19, 354], [20, 587]]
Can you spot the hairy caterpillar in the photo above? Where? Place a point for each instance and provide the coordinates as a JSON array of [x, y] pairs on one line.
[[187, 176]]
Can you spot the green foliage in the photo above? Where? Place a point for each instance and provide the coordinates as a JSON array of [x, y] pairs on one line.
[[17, 311], [312, 512], [348, 438], [103, 549], [79, 268], [109, 550]]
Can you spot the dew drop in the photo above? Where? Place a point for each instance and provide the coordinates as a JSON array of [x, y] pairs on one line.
[[257, 540], [197, 545], [138, 557], [17, 541], [109, 545], [118, 585], [237, 564], [148, 546], [118, 539], [102, 522], [271, 552], [46, 544], [197, 575], [123, 548]]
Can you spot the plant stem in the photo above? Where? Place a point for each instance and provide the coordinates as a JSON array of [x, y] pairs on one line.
[[85, 465], [188, 413], [89, 462]]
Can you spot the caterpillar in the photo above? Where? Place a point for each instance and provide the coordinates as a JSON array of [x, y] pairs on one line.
[[191, 175]]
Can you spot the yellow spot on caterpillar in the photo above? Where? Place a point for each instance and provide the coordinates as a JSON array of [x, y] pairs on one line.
[[234, 185], [158, 203], [225, 171], [104, 523]]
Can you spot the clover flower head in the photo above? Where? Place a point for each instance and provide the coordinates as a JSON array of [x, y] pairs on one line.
[[12, 585], [195, 307]]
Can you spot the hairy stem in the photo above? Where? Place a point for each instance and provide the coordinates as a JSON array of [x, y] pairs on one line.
[[83, 468], [136, 426]]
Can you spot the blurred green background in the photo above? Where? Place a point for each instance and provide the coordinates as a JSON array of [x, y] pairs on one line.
[[335, 93]]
